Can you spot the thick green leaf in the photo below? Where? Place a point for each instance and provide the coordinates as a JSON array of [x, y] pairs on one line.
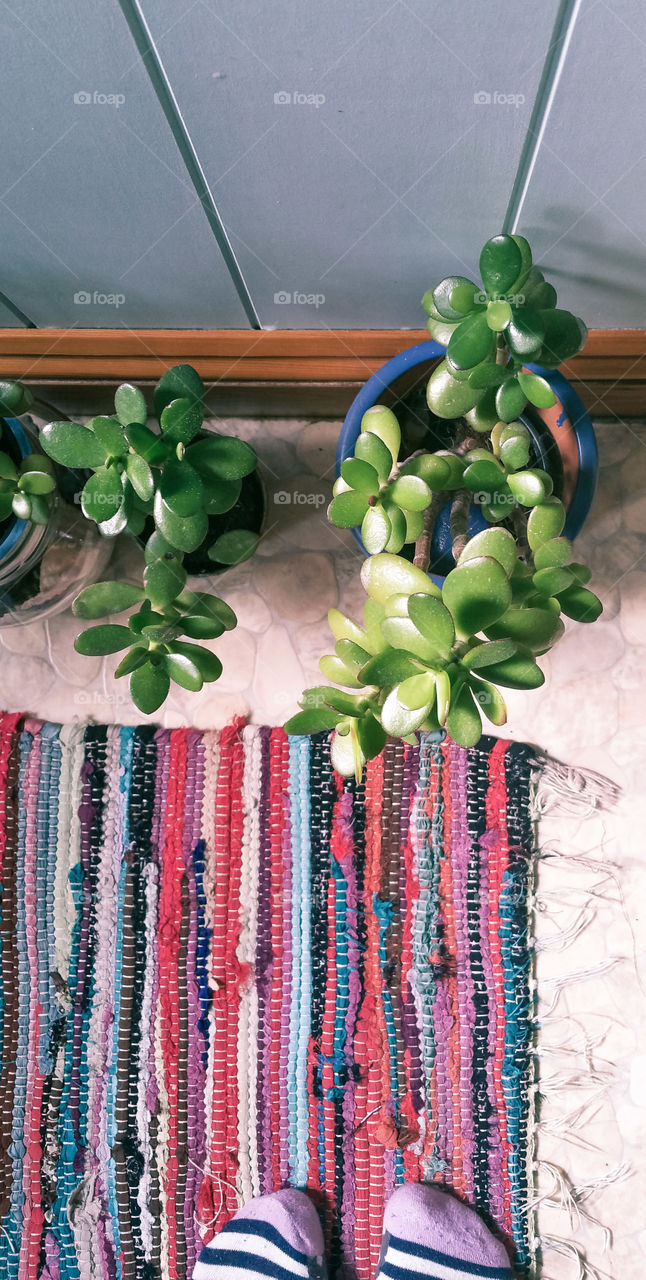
[[463, 723], [414, 524], [434, 469], [545, 522], [466, 298], [476, 593], [447, 397], [510, 399], [103, 639], [536, 629], [556, 551], [373, 616], [146, 443], [579, 603], [14, 398], [484, 416], [102, 497], [72, 445], [221, 495], [134, 658], [130, 404], [353, 655], [181, 420], [537, 390], [347, 704], [314, 720], [489, 700], [181, 488], [371, 735], [381, 421], [399, 527], [389, 667], [524, 333], [530, 488], [386, 575], [519, 672], [140, 476], [180, 382], [111, 435], [376, 529], [221, 458], [6, 503], [498, 315], [360, 475], [488, 375], [398, 719], [21, 505], [335, 670], [370, 448], [410, 492], [501, 263], [149, 687], [514, 451], [164, 579], [348, 509], [157, 547], [553, 580], [201, 626], [38, 482], [472, 342], [202, 603], [234, 547], [443, 294], [8, 469], [582, 573], [102, 598], [500, 544], [433, 619], [565, 335], [417, 691], [346, 756], [402, 633], [345, 629], [483, 655], [186, 533], [184, 671], [440, 329], [208, 664], [484, 477]]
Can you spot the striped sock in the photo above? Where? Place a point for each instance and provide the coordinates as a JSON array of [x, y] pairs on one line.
[[430, 1234], [276, 1236]]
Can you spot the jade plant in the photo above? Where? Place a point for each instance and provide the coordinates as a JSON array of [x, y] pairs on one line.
[[161, 486], [429, 656]]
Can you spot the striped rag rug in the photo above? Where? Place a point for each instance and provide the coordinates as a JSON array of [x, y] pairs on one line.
[[224, 969]]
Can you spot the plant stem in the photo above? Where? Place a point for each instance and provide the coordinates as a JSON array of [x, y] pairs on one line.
[[422, 557], [459, 521], [501, 351]]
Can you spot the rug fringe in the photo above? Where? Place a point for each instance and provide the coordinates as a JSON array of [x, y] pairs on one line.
[[565, 793]]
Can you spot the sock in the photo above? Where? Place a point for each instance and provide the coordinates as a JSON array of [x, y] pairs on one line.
[[430, 1234], [276, 1236]]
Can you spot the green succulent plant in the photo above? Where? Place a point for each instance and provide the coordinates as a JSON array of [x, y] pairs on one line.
[[163, 485], [431, 657]]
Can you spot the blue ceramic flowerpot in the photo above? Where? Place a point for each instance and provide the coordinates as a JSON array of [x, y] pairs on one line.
[[563, 440]]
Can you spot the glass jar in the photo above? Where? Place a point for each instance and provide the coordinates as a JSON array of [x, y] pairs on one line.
[[43, 567]]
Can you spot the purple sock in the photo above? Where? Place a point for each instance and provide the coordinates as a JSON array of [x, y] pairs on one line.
[[429, 1235], [277, 1236]]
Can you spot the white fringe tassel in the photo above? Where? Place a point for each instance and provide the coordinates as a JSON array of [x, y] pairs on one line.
[[564, 793]]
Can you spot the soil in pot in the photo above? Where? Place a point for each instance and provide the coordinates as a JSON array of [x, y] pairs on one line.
[[422, 430]]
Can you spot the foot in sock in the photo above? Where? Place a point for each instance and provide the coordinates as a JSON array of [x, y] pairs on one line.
[[277, 1236], [429, 1235]]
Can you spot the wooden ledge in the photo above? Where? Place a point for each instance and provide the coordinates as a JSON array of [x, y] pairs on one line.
[[610, 375]]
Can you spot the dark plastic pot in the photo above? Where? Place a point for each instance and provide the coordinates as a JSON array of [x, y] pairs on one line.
[[563, 440]]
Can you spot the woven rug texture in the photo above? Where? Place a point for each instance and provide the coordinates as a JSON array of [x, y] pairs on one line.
[[224, 970]]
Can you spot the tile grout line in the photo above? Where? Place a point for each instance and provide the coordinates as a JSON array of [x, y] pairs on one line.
[[163, 89]]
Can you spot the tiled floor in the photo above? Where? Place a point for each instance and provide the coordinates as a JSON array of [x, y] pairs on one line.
[[592, 714]]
